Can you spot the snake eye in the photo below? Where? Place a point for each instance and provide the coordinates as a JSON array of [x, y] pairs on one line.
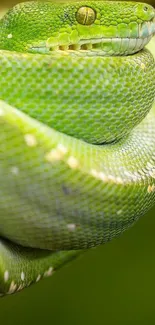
[[85, 16]]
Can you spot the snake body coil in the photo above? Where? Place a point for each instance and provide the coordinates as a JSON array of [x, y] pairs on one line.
[[77, 162]]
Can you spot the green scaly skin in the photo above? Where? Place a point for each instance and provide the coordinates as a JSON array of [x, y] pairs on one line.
[[77, 162]]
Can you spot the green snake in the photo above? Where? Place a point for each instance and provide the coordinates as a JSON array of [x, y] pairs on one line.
[[77, 143]]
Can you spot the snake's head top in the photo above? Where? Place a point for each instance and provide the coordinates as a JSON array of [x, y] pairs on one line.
[[110, 28]]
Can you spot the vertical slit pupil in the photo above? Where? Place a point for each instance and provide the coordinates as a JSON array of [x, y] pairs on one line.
[[86, 16]]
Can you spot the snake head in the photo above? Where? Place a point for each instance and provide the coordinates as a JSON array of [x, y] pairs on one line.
[[110, 28]]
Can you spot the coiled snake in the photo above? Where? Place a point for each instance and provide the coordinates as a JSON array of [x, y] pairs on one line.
[[77, 144]]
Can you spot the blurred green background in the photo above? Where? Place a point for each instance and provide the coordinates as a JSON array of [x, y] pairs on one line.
[[112, 284]]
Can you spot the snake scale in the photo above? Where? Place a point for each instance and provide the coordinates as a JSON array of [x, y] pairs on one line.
[[77, 144]]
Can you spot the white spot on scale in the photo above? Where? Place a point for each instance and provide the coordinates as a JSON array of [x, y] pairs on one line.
[[102, 177], [6, 276], [142, 66], [71, 226], [13, 287], [30, 140], [1, 112], [56, 153], [22, 286], [15, 170], [119, 180], [62, 148], [151, 188], [94, 173], [53, 155], [48, 272], [38, 278], [22, 276], [119, 212], [9, 36], [72, 162]]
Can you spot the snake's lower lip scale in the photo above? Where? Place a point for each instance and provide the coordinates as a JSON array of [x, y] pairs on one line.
[[147, 28], [106, 46]]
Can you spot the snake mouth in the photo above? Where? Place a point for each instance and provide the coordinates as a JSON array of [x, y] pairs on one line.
[[133, 42], [105, 46]]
